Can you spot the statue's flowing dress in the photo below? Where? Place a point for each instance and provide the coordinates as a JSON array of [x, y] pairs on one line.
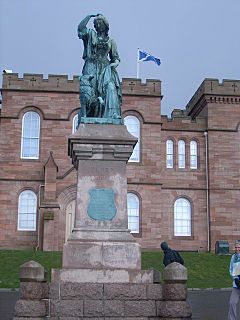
[[98, 54]]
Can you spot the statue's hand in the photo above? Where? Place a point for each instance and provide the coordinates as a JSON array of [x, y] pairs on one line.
[[114, 64], [95, 15]]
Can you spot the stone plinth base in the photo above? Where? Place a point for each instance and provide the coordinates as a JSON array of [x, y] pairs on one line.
[[105, 276], [113, 301], [80, 254], [136, 296], [103, 301]]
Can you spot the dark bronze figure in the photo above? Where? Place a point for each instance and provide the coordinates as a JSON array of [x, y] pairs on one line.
[[100, 87]]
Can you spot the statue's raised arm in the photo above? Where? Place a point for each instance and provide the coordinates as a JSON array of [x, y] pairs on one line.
[[100, 88], [83, 24]]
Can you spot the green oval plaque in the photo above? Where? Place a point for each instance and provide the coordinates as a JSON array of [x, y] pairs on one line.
[[101, 205]]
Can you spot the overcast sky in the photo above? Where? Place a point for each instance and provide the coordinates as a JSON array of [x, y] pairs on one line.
[[195, 39]]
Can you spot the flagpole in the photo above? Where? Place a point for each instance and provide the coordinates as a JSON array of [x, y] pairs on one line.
[[137, 63]]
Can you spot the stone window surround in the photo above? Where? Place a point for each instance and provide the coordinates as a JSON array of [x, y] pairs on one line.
[[187, 153], [19, 205], [191, 218], [139, 137], [37, 137]]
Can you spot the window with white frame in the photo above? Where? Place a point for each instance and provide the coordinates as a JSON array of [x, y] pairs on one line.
[[169, 153], [27, 211], [30, 135], [133, 125], [75, 123], [181, 154], [133, 212], [182, 217], [193, 154]]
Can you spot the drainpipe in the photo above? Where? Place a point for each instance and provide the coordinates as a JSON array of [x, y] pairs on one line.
[[207, 192], [38, 228]]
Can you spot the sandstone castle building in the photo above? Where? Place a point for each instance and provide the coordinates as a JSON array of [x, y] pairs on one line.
[[183, 176]]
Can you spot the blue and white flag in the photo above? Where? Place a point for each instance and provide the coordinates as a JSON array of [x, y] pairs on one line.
[[144, 56]]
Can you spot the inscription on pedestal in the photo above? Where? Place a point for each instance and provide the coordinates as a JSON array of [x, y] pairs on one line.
[[102, 205], [100, 170]]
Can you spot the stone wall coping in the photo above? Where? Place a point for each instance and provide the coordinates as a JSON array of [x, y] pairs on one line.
[[126, 276], [175, 272], [32, 271]]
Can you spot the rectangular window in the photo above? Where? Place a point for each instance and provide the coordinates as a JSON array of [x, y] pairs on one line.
[[133, 126], [169, 152], [30, 135], [27, 209], [181, 154], [133, 212], [182, 217], [193, 154]]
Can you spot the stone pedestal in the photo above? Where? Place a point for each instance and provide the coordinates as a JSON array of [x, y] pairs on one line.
[[101, 239], [104, 300], [34, 290]]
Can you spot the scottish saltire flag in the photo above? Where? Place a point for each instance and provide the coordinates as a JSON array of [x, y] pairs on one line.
[[144, 56]]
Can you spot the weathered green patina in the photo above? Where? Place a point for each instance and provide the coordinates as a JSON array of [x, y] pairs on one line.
[[100, 87], [101, 205]]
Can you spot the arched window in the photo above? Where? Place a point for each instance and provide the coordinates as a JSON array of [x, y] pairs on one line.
[[133, 212], [133, 125], [182, 217], [75, 123], [169, 153], [30, 135], [193, 154], [27, 211], [181, 154]]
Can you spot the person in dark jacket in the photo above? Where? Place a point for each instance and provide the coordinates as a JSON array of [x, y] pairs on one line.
[[170, 255]]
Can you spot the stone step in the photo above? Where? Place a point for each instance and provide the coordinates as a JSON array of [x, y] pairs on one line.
[[105, 276]]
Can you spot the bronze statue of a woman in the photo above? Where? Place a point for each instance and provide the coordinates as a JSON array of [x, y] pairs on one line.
[[100, 88]]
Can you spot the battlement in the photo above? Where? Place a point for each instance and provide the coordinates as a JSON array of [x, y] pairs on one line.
[[36, 82], [178, 113], [214, 87], [61, 83], [135, 86], [179, 119]]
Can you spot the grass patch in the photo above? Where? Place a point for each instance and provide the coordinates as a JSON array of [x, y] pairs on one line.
[[205, 270], [11, 260]]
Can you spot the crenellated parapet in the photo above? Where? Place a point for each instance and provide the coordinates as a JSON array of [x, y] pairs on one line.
[[214, 91], [179, 119], [61, 83], [136, 87], [178, 113], [36, 82]]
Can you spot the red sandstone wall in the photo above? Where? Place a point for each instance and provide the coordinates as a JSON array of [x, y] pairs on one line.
[[224, 163], [9, 236], [157, 186], [56, 111]]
